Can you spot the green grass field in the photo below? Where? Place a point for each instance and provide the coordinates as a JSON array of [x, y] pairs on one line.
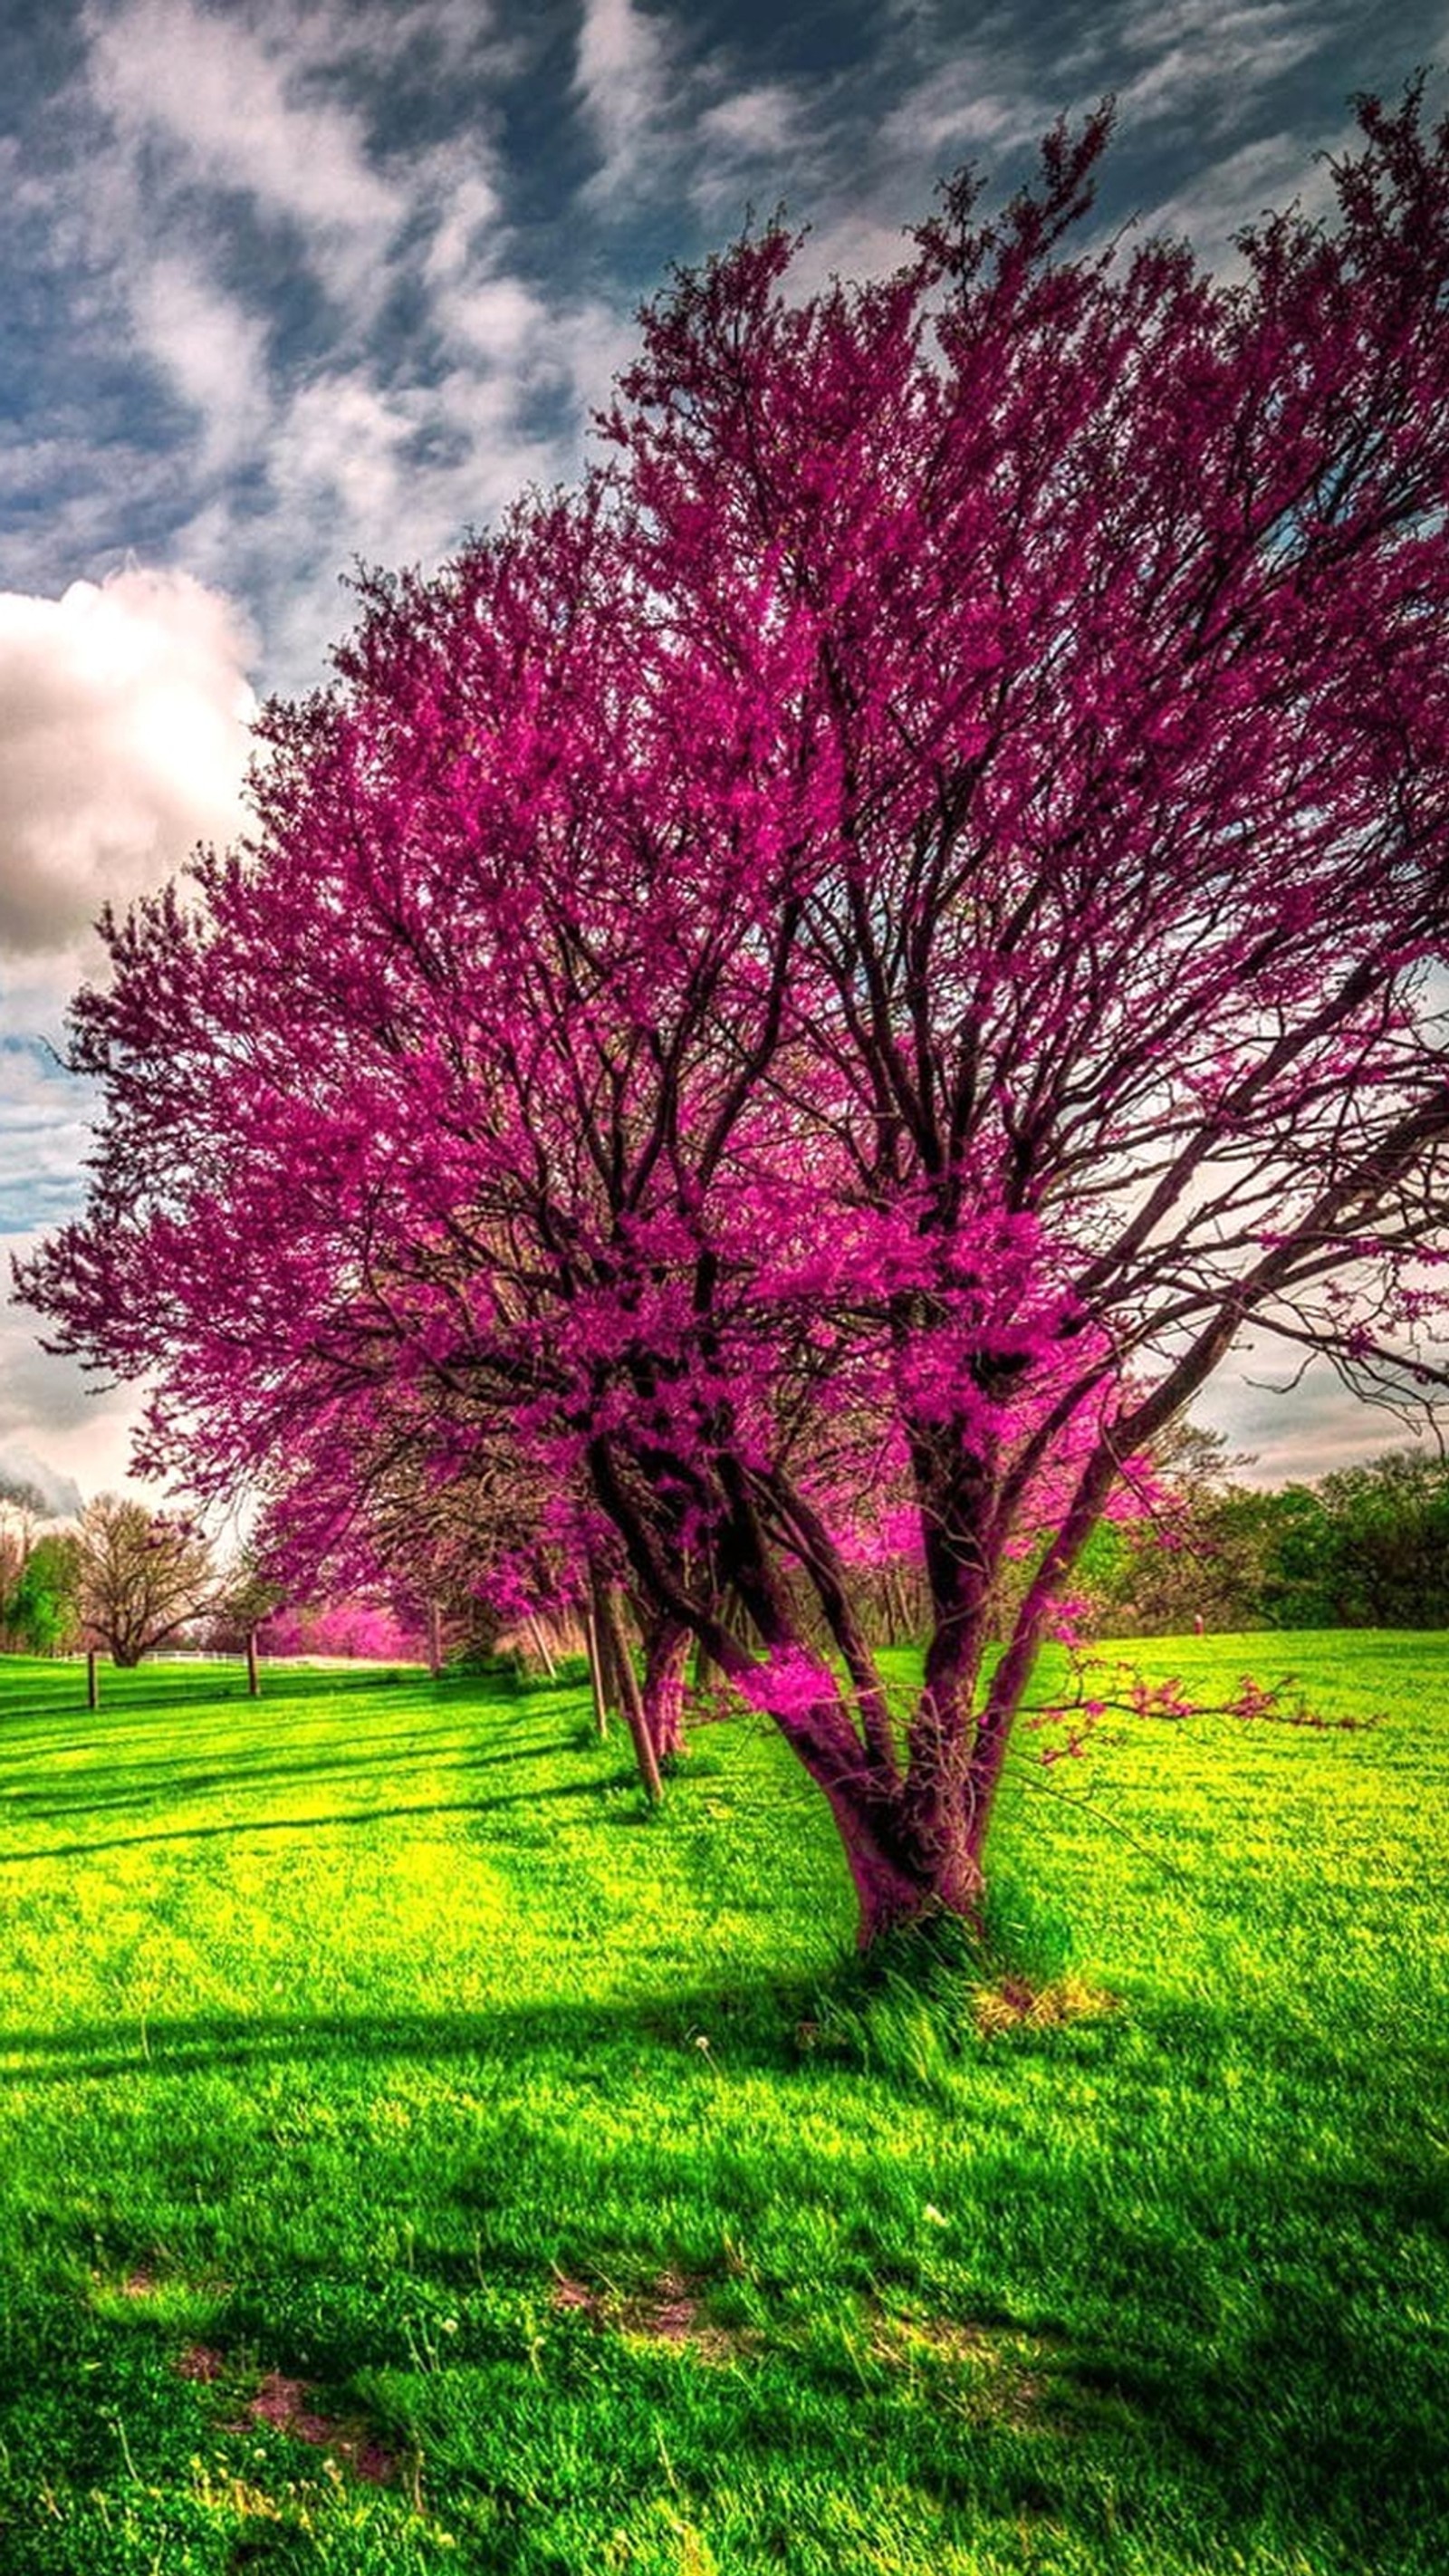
[[416, 2157]]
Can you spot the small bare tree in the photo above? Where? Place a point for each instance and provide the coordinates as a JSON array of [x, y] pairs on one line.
[[143, 1576]]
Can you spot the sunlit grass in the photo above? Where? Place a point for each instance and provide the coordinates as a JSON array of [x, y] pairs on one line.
[[374, 2066]]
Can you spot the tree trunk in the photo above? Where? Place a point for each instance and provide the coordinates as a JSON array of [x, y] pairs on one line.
[[638, 1724], [666, 1656], [908, 1858], [541, 1646], [601, 1591], [593, 1647]]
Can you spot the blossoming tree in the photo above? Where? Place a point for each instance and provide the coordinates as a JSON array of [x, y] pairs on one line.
[[836, 971]]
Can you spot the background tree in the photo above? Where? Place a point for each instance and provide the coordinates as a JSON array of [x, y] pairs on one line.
[[42, 1607], [17, 1537], [1391, 1525], [910, 903], [143, 1577], [1196, 1554], [1365, 1546]]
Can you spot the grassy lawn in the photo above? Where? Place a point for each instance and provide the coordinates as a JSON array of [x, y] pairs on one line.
[[415, 2157]]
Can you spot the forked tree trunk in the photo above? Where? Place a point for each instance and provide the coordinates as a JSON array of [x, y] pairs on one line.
[[917, 1846], [905, 1866]]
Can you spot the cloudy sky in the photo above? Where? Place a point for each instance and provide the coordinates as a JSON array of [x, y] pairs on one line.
[[290, 283]]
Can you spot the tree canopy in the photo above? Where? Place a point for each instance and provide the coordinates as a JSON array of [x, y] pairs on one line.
[[808, 991]]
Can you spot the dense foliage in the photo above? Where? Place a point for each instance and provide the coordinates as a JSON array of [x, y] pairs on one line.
[[1364, 1547], [39, 1589]]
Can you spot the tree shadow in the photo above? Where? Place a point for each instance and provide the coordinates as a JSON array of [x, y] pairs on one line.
[[117, 1769], [210, 2040], [242, 1827]]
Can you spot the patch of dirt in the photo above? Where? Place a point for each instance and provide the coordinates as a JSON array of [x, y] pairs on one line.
[[155, 2276], [288, 2406], [1014, 2003], [568, 2293], [669, 2313], [283, 2403], [1001, 2374]]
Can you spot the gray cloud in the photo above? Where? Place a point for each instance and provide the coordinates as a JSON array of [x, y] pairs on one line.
[[1297, 1426], [28, 1481], [60, 1430]]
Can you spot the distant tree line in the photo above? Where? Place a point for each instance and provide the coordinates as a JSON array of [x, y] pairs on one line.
[[1364, 1547]]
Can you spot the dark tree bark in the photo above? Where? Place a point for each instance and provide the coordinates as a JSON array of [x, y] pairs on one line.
[[666, 1655]]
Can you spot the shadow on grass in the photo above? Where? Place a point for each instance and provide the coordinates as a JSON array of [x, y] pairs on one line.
[[148, 1783], [336, 1819], [147, 2048]]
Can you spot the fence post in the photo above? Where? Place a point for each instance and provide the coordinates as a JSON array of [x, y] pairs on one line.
[[93, 1687], [254, 1682]]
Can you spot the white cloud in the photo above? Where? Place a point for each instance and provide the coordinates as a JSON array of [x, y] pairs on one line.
[[742, 141], [124, 711], [756, 123], [1211, 59], [500, 318], [123, 741], [968, 105], [469, 215], [43, 1133], [622, 72], [233, 109], [213, 352], [398, 435], [1236, 192]]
